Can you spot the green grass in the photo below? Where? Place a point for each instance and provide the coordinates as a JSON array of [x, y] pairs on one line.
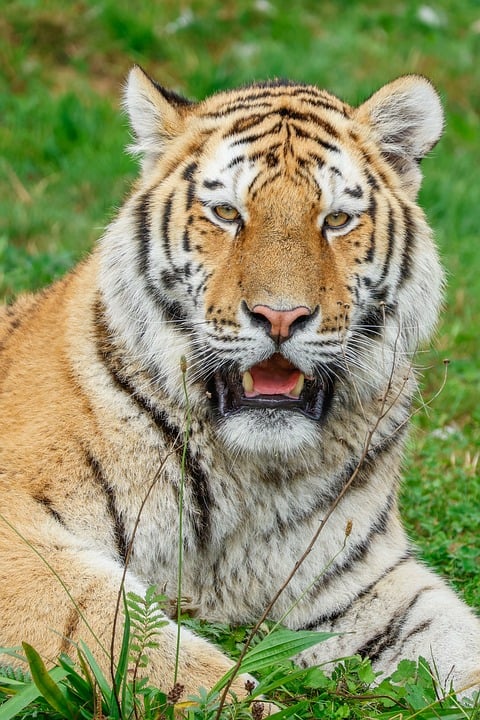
[[63, 170]]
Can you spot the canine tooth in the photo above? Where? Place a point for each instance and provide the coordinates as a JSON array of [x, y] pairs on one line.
[[298, 386], [247, 382]]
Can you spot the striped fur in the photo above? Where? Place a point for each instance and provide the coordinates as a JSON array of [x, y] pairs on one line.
[[273, 198]]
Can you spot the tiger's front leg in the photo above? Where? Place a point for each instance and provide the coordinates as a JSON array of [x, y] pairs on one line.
[[55, 590], [409, 612]]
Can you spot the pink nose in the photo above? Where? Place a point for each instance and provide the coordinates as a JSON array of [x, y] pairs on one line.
[[281, 321]]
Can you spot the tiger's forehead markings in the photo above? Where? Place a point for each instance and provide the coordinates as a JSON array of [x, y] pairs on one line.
[[288, 114], [264, 95], [291, 130]]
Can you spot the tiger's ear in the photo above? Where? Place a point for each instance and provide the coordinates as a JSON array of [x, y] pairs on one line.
[[156, 115], [406, 119]]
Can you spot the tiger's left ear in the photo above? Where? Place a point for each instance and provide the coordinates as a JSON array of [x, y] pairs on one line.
[[406, 119], [156, 115]]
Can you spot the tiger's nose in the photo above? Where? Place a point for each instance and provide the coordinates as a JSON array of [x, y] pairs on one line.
[[280, 324]]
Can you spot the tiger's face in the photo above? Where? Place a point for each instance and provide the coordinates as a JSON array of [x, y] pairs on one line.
[[278, 237]]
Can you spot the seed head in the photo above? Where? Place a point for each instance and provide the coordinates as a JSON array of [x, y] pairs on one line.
[[175, 694], [249, 686], [257, 711]]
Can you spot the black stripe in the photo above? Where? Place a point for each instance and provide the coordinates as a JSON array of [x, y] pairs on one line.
[[189, 171], [363, 472], [372, 322], [366, 467], [306, 177], [391, 242], [73, 618], [266, 181], [172, 310], [408, 248], [196, 479], [116, 518], [371, 179], [236, 161], [355, 192], [195, 475], [47, 503], [275, 129], [358, 552], [324, 104], [421, 627], [166, 216], [16, 313], [308, 118], [372, 211], [265, 153], [319, 98], [189, 176], [247, 123], [235, 107], [264, 91], [186, 241], [213, 184], [202, 497], [383, 640], [341, 612], [314, 138], [142, 223], [320, 162]]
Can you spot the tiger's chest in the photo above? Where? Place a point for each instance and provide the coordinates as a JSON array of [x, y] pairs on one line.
[[243, 533]]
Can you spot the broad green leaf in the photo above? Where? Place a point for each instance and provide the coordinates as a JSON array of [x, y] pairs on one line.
[[281, 644], [48, 687]]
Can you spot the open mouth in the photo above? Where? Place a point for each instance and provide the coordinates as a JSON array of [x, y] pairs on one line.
[[274, 383]]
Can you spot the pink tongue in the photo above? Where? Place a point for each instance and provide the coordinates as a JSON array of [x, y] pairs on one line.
[[273, 378]]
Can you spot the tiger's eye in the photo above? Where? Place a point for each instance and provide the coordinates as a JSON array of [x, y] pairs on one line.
[[226, 212], [336, 219]]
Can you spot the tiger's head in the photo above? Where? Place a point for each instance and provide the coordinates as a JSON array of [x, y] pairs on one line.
[[273, 238]]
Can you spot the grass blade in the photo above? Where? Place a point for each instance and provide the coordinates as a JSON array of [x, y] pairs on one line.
[[100, 678], [25, 697]]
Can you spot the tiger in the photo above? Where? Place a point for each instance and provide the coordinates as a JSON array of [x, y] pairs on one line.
[[239, 346]]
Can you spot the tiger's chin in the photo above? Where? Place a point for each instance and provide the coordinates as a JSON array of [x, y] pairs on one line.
[[268, 432]]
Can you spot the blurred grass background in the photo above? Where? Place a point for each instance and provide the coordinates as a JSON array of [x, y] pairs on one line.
[[63, 169]]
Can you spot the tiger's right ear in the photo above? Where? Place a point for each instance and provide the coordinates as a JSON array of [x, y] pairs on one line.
[[156, 115], [406, 120]]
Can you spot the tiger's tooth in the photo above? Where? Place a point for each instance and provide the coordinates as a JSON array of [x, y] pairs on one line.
[[298, 386], [247, 382]]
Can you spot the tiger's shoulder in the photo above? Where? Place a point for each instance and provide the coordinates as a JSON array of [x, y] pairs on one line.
[[12, 317], [37, 320], [12, 314]]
